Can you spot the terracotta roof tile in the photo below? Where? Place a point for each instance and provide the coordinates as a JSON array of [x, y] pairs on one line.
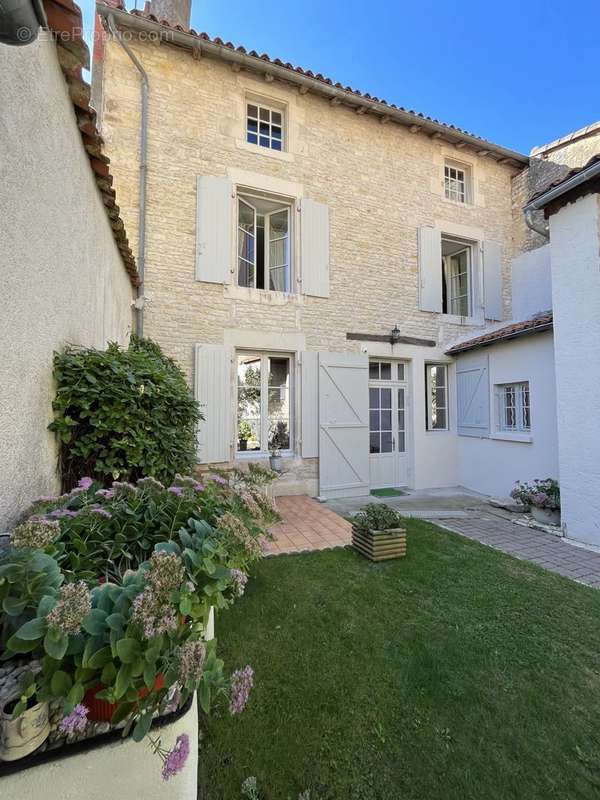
[[565, 177], [65, 18], [310, 74], [512, 331]]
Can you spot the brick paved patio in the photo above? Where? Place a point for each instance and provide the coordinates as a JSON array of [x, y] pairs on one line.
[[307, 525], [551, 552]]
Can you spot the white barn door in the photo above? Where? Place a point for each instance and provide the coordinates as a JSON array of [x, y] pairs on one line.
[[343, 424]]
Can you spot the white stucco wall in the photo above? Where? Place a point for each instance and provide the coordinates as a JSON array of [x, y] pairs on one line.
[[531, 283], [60, 271], [493, 465], [575, 259]]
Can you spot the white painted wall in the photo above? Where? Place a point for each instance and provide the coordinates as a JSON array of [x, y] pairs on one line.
[[575, 260], [61, 275], [493, 465], [531, 283]]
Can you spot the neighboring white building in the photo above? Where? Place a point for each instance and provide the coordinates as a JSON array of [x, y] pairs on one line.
[[66, 271], [572, 206]]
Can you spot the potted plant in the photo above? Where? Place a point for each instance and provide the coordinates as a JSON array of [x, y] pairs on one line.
[[279, 440], [543, 499], [378, 532], [244, 433], [24, 723]]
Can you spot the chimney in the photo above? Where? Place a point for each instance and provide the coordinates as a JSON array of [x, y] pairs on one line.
[[175, 12]]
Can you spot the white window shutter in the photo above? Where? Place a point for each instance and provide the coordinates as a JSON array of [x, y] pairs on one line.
[[473, 397], [430, 269], [314, 248], [309, 399], [213, 393], [492, 280], [213, 229]]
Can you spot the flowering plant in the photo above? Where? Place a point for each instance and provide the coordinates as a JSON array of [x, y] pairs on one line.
[[125, 618], [541, 494]]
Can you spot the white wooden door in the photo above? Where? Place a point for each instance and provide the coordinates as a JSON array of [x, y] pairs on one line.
[[343, 424], [388, 419]]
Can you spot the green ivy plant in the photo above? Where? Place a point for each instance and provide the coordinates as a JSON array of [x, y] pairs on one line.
[[121, 414]]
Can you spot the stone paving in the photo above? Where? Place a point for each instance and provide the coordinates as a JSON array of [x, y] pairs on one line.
[[551, 552], [306, 525]]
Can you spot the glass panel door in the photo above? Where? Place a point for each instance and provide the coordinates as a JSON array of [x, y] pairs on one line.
[[401, 421], [380, 420]]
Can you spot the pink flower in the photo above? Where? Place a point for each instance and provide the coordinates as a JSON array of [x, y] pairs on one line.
[[76, 721], [242, 682], [175, 759], [219, 479], [85, 483], [176, 490]]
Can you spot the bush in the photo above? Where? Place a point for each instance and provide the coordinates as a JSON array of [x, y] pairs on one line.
[[121, 414], [377, 517]]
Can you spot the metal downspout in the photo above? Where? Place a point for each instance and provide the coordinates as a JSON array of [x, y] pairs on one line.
[[145, 86], [539, 227]]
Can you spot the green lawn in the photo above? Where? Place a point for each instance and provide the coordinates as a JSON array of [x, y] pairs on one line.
[[455, 673]]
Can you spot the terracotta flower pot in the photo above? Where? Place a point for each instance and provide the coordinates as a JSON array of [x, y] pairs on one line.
[[102, 710], [21, 736]]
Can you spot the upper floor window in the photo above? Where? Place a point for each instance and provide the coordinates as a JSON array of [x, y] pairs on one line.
[[264, 126], [264, 253], [457, 182], [457, 277], [513, 408]]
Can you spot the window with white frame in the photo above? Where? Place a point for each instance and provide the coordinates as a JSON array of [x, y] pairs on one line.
[[457, 276], [457, 182], [513, 410], [265, 126], [436, 396], [263, 242], [264, 402]]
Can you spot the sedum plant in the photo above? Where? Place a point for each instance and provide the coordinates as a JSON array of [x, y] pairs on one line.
[[377, 517], [111, 588]]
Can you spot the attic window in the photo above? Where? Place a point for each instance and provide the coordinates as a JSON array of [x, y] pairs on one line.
[[264, 126], [457, 182]]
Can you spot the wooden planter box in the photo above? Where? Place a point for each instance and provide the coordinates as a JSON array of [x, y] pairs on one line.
[[380, 545]]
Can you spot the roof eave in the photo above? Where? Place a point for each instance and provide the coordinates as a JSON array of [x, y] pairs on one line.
[[563, 188], [333, 93], [458, 349]]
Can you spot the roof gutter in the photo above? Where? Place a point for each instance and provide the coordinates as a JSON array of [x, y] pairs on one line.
[[566, 186], [145, 89], [335, 94]]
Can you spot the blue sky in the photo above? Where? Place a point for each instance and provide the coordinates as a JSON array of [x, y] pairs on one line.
[[517, 73]]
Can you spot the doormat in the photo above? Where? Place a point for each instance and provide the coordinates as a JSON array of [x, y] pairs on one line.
[[387, 492]]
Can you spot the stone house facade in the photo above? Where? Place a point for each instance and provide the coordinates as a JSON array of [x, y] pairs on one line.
[[311, 253]]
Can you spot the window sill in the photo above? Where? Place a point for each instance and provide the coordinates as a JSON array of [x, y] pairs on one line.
[[454, 319], [262, 455], [280, 155], [262, 296], [507, 436], [458, 203]]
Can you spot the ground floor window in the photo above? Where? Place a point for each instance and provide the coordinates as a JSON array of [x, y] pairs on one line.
[[264, 402], [436, 396], [513, 407]]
